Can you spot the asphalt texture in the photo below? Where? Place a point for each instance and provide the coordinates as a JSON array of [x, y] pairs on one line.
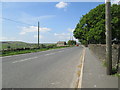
[[46, 69], [94, 74]]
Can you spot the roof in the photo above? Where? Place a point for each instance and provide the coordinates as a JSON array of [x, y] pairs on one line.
[[61, 42]]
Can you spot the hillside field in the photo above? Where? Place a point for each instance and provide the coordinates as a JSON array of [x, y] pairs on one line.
[[18, 44]]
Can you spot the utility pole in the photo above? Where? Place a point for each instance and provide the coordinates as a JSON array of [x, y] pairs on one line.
[[38, 35], [108, 38]]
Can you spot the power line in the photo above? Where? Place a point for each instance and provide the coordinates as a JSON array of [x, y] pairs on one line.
[[16, 21], [19, 22], [22, 23]]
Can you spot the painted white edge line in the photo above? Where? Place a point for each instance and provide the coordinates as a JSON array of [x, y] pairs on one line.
[[81, 73], [24, 54]]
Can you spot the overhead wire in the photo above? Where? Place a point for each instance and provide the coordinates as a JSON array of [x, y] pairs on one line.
[[16, 21], [19, 22]]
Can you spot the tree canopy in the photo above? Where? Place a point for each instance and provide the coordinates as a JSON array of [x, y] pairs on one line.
[[71, 42], [91, 27]]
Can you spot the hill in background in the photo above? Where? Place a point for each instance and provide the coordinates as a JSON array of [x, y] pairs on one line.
[[18, 44], [15, 44]]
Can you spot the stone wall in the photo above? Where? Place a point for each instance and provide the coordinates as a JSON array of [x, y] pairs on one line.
[[100, 51]]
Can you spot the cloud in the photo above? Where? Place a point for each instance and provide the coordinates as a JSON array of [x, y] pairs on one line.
[[36, 36], [61, 5], [70, 30], [3, 38], [33, 29], [9, 39], [115, 2], [61, 34]]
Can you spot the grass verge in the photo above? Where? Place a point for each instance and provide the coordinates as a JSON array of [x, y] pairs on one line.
[[114, 69], [27, 51]]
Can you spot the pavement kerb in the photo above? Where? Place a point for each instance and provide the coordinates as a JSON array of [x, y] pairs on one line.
[[81, 70], [76, 80]]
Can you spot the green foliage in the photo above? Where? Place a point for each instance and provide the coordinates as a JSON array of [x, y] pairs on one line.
[[16, 44], [115, 71], [14, 48], [8, 47], [51, 46], [91, 27], [42, 46], [8, 53], [104, 63], [71, 42]]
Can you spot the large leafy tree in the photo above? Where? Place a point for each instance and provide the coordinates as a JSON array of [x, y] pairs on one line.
[[71, 42], [91, 27]]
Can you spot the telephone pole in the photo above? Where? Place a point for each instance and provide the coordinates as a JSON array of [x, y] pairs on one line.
[[38, 35], [108, 38]]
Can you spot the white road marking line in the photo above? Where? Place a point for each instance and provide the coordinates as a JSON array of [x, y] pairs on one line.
[[46, 54], [49, 54], [27, 53], [55, 83], [95, 86], [7, 56], [61, 51], [52, 83], [81, 73], [24, 60], [16, 55]]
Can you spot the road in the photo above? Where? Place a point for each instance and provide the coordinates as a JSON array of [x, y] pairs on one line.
[[47, 69]]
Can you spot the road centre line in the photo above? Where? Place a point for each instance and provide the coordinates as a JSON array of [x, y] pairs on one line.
[[49, 54], [53, 53], [35, 57], [24, 60], [61, 51]]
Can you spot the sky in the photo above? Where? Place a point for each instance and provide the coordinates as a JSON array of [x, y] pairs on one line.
[[57, 20]]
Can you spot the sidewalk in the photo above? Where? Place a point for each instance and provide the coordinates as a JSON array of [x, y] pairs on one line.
[[94, 73]]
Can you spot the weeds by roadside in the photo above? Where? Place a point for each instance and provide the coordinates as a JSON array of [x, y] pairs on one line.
[[27, 51], [114, 69]]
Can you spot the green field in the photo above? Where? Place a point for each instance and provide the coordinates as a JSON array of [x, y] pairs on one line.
[[7, 47], [16, 44]]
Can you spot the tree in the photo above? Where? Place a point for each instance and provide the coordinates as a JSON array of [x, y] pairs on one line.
[[42, 46], [91, 27], [8, 47], [71, 42]]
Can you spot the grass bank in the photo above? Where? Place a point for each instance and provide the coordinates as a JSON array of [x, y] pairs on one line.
[[115, 71], [8, 53]]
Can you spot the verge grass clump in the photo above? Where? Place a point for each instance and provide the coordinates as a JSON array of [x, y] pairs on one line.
[[8, 53], [115, 71]]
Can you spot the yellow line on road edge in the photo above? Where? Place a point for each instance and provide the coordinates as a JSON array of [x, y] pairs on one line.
[[81, 71]]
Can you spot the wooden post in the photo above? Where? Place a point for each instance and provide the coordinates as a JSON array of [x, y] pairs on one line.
[[108, 38], [38, 35]]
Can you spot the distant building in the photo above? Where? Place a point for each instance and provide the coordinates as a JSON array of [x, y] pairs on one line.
[[61, 43]]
